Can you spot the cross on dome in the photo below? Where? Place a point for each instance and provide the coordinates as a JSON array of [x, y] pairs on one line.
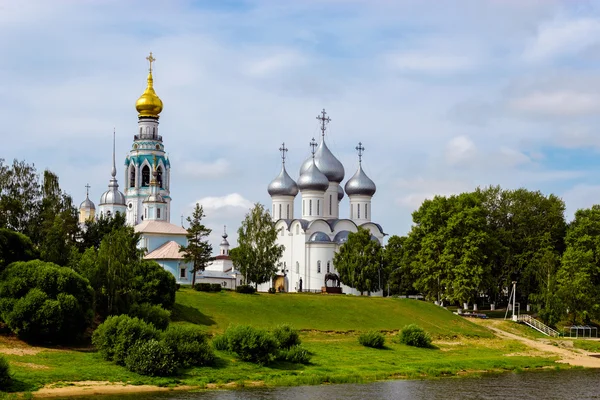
[[224, 232], [150, 60], [313, 145], [323, 120], [87, 189], [360, 150], [283, 150]]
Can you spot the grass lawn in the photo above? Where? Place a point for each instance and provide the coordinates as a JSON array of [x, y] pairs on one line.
[[319, 312]]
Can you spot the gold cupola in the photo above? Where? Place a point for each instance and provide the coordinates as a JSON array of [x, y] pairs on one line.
[[149, 104]]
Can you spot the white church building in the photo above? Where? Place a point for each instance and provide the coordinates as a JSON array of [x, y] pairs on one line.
[[315, 233]]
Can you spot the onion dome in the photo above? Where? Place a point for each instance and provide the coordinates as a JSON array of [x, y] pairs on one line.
[[283, 185], [224, 242], [149, 104], [327, 163], [87, 204], [360, 183], [319, 237], [113, 195], [313, 179], [340, 193]]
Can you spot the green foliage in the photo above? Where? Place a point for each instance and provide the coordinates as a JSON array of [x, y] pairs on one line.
[[153, 314], [153, 284], [246, 289], [189, 345], [96, 229], [5, 377], [398, 271], [220, 342], [373, 339], [198, 250], [203, 287], [272, 290], [359, 262], [14, 246], [414, 335], [295, 354], [286, 336], [116, 336], [215, 287], [19, 196], [257, 253], [41, 301], [251, 344], [151, 358]]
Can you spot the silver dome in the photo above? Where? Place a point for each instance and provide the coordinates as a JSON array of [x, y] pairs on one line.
[[224, 242], [87, 203], [113, 195], [340, 193], [313, 179], [360, 184], [319, 237], [154, 198], [283, 185], [326, 162]]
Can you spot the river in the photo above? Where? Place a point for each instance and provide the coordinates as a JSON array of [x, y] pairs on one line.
[[564, 385]]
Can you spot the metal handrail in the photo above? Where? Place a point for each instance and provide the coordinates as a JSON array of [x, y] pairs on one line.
[[538, 325]]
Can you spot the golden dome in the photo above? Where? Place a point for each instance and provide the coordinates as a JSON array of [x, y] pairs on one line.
[[149, 104]]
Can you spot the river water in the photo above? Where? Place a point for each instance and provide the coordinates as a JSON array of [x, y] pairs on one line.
[[564, 385]]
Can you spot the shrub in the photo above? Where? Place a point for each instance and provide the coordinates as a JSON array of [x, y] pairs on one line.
[[247, 289], [5, 379], [189, 344], [251, 344], [286, 336], [215, 287], [153, 284], [152, 358], [373, 339], [115, 337], [220, 342], [15, 246], [153, 314], [414, 335], [295, 354], [44, 302], [272, 290], [202, 287]]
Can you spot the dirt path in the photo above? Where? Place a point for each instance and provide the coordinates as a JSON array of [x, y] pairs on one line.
[[90, 388], [572, 356]]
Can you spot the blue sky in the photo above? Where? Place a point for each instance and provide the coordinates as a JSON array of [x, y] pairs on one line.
[[444, 95]]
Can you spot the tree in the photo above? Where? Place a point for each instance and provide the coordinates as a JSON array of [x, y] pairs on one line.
[[198, 251], [19, 196], [96, 229], [398, 270], [15, 246], [359, 262], [257, 253]]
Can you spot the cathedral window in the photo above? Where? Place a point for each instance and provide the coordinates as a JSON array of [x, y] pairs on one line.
[[318, 207], [153, 131], [310, 207], [159, 174], [280, 211], [318, 267], [330, 202], [182, 273], [108, 214], [132, 176], [145, 213], [158, 213], [287, 215], [358, 211], [297, 267], [328, 266], [145, 176], [366, 215]]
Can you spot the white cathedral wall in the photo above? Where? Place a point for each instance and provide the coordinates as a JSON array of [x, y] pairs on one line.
[[312, 204], [358, 205], [103, 209], [331, 209], [282, 207]]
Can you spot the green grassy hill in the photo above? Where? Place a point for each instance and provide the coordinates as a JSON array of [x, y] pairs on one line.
[[318, 312]]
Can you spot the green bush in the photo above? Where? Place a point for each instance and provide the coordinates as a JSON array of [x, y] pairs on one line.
[[295, 354], [115, 337], [44, 302], [153, 314], [373, 339], [247, 289], [414, 335], [202, 287], [251, 344], [15, 246], [5, 379], [153, 284], [151, 358], [272, 290], [215, 287], [189, 344], [220, 342], [286, 336]]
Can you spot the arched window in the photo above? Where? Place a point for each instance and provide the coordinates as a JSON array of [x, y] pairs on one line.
[[153, 131], [132, 176], [358, 211], [108, 214], [318, 267], [159, 174], [287, 215], [310, 207], [297, 267], [146, 176], [145, 213], [158, 213], [328, 266], [318, 207], [279, 211], [330, 203], [366, 214]]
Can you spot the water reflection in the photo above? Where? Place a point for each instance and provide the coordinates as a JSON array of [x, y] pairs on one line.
[[564, 385]]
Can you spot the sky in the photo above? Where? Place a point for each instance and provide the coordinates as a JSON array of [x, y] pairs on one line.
[[445, 96]]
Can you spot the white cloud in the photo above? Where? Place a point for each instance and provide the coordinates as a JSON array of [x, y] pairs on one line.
[[233, 200], [429, 62], [275, 63], [211, 170], [421, 188], [557, 103], [577, 136], [461, 150], [562, 37]]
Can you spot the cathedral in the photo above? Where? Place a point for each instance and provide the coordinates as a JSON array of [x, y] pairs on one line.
[[312, 240]]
